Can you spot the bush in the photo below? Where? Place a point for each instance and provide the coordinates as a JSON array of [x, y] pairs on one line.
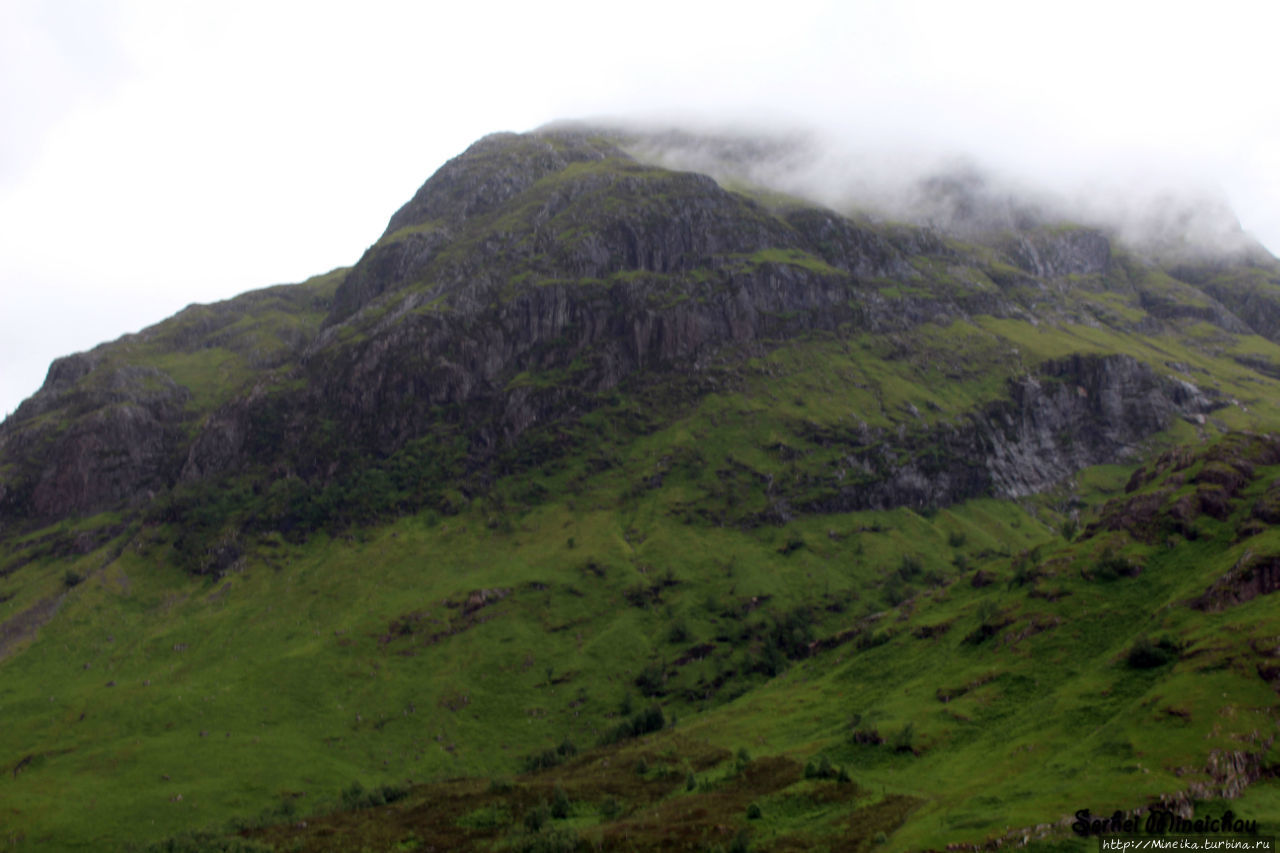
[[648, 720], [753, 812], [690, 782], [553, 841], [71, 579], [206, 842], [904, 740], [560, 806], [910, 567], [1148, 654], [869, 640], [1022, 575], [1111, 566], [544, 760], [793, 543], [823, 769], [356, 797], [548, 758], [955, 539], [895, 591], [537, 817], [651, 679], [486, 818], [610, 808]]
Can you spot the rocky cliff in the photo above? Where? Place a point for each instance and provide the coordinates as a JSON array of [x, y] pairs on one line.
[[535, 275]]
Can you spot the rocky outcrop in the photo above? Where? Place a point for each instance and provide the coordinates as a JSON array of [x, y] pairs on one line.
[[1080, 411], [533, 274], [1053, 253], [83, 447], [1071, 414]]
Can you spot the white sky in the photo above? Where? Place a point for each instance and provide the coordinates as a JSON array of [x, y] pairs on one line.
[[155, 154]]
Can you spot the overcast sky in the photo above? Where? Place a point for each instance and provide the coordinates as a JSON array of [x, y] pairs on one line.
[[155, 154]]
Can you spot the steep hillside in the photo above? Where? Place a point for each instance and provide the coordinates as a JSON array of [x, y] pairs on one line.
[[589, 464]]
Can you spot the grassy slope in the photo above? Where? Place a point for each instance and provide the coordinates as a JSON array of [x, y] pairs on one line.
[[153, 702], [355, 659]]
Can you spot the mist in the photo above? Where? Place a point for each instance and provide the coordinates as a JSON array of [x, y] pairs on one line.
[[1157, 213]]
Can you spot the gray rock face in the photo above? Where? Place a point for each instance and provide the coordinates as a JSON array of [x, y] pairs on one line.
[[90, 449], [531, 274], [1053, 254], [1081, 411], [1074, 413]]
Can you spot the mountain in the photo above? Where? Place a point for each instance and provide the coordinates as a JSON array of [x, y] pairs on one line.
[[720, 516]]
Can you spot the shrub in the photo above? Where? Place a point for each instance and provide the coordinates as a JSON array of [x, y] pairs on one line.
[[679, 631], [651, 679], [560, 806], [793, 543], [753, 812], [543, 760], [903, 740], [690, 782], [989, 622], [71, 579], [1148, 654], [955, 539], [486, 818], [1022, 575], [895, 591], [548, 758], [649, 720], [206, 842], [353, 795], [865, 737], [869, 640], [537, 817], [553, 841], [910, 567], [1111, 566], [610, 808]]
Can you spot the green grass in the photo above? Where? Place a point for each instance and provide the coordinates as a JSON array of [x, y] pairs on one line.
[[430, 621], [339, 660]]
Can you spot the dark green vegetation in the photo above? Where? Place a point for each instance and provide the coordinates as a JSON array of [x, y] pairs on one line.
[[598, 507]]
